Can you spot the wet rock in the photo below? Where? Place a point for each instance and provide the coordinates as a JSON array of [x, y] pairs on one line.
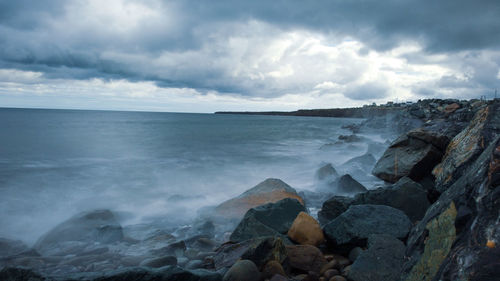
[[382, 261], [278, 277], [260, 251], [360, 221], [333, 208], [164, 273], [305, 230], [364, 162], [194, 264], [243, 270], [19, 274], [272, 268], [450, 243], [350, 138], [412, 155], [354, 253], [326, 172], [159, 262], [347, 185], [465, 147], [406, 195], [88, 227], [305, 257], [338, 278], [175, 249], [268, 191], [330, 273], [267, 220], [10, 247]]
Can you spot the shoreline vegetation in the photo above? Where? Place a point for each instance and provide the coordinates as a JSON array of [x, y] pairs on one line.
[[436, 217]]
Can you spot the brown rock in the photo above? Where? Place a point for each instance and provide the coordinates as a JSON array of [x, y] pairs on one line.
[[330, 273], [306, 230], [331, 264], [272, 268], [268, 191], [306, 257], [451, 107], [242, 270], [338, 278]]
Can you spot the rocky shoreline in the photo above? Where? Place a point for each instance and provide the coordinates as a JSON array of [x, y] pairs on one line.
[[437, 217]]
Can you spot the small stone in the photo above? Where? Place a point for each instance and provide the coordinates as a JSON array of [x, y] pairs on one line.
[[305, 230], [331, 264], [341, 260], [242, 270], [338, 278], [272, 268], [278, 277], [330, 273]]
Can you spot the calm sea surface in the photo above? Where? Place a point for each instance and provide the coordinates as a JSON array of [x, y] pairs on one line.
[[55, 163]]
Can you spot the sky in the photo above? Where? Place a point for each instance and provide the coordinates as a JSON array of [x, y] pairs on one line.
[[206, 56]]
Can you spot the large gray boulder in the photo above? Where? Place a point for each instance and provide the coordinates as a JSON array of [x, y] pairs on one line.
[[268, 220], [347, 185], [99, 226], [382, 261], [406, 195], [355, 225], [333, 208], [412, 155]]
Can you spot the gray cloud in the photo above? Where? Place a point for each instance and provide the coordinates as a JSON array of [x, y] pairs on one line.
[[185, 47]]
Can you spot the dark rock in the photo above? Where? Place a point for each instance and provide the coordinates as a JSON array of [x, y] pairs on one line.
[[268, 220], [465, 147], [243, 270], [11, 247], [19, 274], [268, 191], [348, 185], [354, 253], [194, 264], [360, 221], [412, 155], [159, 262], [305, 257], [350, 138], [382, 261], [272, 268], [278, 277], [364, 162], [260, 251], [444, 246], [333, 208], [170, 273], [176, 249], [326, 172], [406, 195], [88, 227]]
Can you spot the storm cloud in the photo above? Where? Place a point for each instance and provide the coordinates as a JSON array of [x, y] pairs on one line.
[[361, 50]]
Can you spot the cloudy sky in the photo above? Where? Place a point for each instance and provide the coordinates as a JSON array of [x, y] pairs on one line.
[[204, 56]]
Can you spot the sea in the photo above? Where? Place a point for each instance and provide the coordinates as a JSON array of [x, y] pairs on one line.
[[147, 166]]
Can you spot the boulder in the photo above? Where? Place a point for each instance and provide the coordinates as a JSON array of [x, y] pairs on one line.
[[406, 195], [10, 247], [465, 147], [20, 274], [305, 230], [333, 208], [452, 241], [382, 261], [412, 155], [450, 108], [268, 191], [347, 185], [364, 162], [174, 249], [163, 273], [268, 220], [360, 221], [159, 262], [326, 172], [260, 251], [243, 270], [88, 227], [306, 258], [272, 268]]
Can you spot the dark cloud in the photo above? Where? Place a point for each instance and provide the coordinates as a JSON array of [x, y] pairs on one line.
[[39, 36]]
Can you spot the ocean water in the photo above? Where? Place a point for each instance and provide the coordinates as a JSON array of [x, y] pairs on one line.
[[147, 166]]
